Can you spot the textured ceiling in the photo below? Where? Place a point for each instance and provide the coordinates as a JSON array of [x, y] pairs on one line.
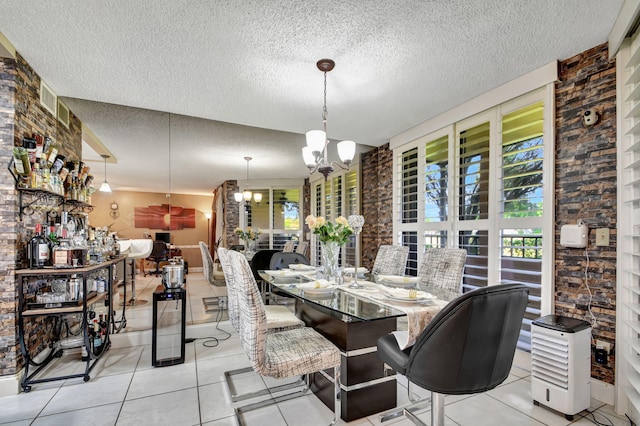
[[252, 63]]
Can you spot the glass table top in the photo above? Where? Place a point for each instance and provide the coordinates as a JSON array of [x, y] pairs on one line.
[[336, 300]]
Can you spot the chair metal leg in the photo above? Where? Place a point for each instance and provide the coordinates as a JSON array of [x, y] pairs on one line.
[[415, 404], [337, 402], [437, 409], [235, 397]]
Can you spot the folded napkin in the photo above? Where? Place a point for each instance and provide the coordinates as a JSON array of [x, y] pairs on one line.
[[317, 284], [397, 279], [301, 267]]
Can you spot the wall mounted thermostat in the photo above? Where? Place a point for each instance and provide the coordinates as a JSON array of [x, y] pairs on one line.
[[574, 236]]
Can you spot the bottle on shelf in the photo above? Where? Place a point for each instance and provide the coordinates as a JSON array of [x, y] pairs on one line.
[[38, 249], [97, 337], [52, 151]]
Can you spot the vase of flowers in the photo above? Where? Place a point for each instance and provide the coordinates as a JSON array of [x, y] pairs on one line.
[[249, 236], [332, 237]]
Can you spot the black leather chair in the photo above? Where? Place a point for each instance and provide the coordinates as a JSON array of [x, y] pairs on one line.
[[467, 348], [260, 261], [159, 253], [282, 260]]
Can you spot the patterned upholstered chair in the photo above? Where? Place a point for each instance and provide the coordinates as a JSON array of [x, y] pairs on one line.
[[282, 354], [441, 272], [208, 267], [302, 248], [288, 246], [390, 260], [279, 318]]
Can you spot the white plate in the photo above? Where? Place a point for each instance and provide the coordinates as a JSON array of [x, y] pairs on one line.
[[301, 267], [401, 297], [281, 273], [325, 287]]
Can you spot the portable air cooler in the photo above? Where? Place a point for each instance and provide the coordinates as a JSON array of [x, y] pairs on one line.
[[561, 364]]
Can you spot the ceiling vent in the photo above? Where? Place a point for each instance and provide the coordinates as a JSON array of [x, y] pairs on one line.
[[63, 114], [48, 99]]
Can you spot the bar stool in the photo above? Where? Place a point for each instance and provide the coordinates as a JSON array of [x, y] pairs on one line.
[[139, 249]]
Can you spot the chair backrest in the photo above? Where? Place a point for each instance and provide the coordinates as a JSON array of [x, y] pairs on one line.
[[302, 247], [237, 247], [232, 291], [140, 248], [288, 246], [441, 272], [261, 260], [159, 249], [207, 262], [390, 260], [282, 260], [252, 319], [471, 341]]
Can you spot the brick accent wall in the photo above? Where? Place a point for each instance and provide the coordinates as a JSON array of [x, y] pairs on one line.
[[585, 188], [377, 201], [8, 295], [20, 116], [231, 210]]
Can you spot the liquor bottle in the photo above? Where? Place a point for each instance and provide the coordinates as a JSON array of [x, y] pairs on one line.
[[51, 153], [38, 249], [21, 161], [97, 338], [103, 325]]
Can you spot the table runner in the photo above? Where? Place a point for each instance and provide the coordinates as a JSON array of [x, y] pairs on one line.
[[418, 314]]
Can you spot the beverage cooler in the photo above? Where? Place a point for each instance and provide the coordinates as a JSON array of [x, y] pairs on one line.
[[169, 315]]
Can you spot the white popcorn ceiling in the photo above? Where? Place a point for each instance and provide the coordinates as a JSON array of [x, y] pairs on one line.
[[252, 63]]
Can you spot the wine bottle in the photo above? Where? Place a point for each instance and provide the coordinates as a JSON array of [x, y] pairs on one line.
[[38, 249], [97, 338]]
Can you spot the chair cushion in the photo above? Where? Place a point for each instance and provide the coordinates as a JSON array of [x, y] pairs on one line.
[[280, 317], [389, 352], [296, 352]]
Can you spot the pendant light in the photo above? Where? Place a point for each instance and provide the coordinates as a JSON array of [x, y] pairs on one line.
[[105, 185], [246, 195], [315, 153]]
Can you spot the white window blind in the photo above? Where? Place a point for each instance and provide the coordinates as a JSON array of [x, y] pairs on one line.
[[628, 271]]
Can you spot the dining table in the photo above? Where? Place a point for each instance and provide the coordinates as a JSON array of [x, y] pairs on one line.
[[353, 318]]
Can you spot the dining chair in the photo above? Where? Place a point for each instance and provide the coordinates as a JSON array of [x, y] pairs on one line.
[[441, 272], [279, 318], [302, 248], [467, 348], [282, 260], [282, 354], [288, 246], [159, 253], [261, 260], [390, 260]]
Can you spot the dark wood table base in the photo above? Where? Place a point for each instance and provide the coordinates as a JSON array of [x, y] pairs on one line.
[[365, 388]]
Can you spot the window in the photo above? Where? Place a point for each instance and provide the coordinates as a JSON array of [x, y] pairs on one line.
[[479, 184], [337, 196], [277, 216]]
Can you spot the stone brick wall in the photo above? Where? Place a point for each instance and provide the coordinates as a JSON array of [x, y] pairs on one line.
[[8, 295], [377, 201], [585, 188], [20, 116], [231, 210]]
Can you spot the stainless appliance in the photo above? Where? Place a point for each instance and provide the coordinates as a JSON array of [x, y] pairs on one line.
[[173, 275]]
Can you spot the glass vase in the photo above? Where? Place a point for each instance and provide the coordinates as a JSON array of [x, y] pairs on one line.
[[330, 258]]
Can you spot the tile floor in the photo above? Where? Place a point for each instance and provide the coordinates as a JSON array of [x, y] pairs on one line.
[[126, 390]]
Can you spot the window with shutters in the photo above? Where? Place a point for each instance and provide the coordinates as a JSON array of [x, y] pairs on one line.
[[479, 184], [628, 271]]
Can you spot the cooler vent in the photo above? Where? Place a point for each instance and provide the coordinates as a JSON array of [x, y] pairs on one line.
[[48, 99], [63, 114]]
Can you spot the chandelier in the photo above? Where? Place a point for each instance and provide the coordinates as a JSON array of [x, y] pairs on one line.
[[315, 153], [246, 194]]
